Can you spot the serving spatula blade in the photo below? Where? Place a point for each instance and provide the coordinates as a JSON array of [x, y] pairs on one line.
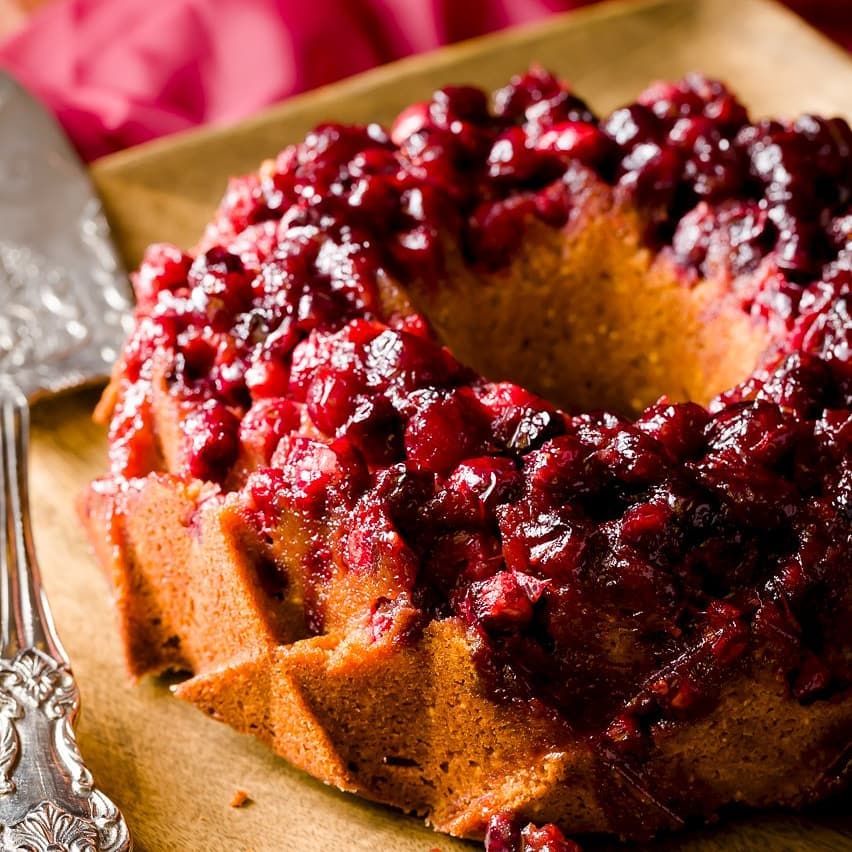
[[64, 312], [64, 297]]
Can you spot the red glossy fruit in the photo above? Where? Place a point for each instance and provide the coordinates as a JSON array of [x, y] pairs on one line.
[[211, 441], [576, 139], [444, 429]]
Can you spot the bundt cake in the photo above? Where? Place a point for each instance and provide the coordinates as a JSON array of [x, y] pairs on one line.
[[497, 466]]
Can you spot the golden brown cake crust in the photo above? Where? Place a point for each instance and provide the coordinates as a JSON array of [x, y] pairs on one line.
[[410, 725]]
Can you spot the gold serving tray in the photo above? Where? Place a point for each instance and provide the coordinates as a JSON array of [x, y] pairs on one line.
[[173, 771]]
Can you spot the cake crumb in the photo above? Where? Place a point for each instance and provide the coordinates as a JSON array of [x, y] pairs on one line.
[[239, 799]]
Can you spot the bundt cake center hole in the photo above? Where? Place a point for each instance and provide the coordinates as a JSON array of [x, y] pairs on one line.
[[584, 318]]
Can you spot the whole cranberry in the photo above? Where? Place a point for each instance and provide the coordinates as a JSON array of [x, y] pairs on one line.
[[465, 103], [227, 376], [503, 833], [337, 350], [829, 140], [197, 350], [562, 107], [561, 466], [433, 157], [632, 126], [418, 251], [750, 233], [520, 421], [679, 427], [267, 377], [802, 383], [715, 169], [373, 543], [403, 362], [671, 100], [265, 424], [374, 427], [164, 267], [210, 441], [547, 838], [331, 396], [458, 558], [523, 90], [554, 203], [685, 132], [758, 433], [795, 248], [424, 204], [315, 472], [373, 161], [244, 204], [633, 456], [411, 120], [645, 524], [545, 541], [579, 140], [263, 498], [694, 235], [414, 324], [652, 173], [512, 158], [720, 105], [495, 229], [444, 429], [375, 198], [506, 600], [476, 487]]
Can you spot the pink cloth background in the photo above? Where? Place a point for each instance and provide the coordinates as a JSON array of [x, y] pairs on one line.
[[120, 72]]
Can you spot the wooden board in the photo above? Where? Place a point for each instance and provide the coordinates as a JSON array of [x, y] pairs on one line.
[[174, 771]]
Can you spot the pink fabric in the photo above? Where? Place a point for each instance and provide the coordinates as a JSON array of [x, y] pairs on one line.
[[120, 72]]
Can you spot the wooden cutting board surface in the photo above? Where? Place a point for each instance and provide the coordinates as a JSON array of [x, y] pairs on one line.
[[172, 770]]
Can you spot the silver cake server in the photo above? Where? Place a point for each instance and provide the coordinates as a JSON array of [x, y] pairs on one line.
[[64, 309]]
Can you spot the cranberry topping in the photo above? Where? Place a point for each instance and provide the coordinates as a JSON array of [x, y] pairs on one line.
[[312, 232], [505, 834], [212, 439], [612, 574], [264, 425]]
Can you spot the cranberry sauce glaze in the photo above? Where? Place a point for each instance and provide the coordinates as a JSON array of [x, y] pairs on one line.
[[610, 573]]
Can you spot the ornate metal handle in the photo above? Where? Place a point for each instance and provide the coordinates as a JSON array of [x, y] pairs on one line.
[[48, 802]]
